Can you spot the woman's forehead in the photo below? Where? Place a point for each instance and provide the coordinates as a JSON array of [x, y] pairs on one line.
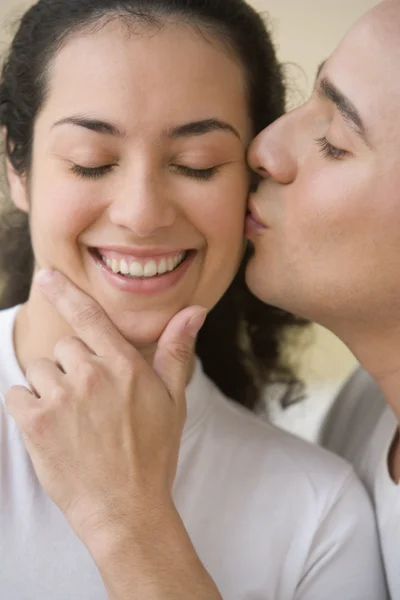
[[175, 70]]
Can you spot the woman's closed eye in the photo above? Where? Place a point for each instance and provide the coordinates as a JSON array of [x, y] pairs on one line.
[[199, 174], [97, 172], [329, 150], [91, 172]]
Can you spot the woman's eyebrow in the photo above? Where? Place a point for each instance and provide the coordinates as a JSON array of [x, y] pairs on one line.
[[95, 125], [200, 128], [190, 129], [327, 90]]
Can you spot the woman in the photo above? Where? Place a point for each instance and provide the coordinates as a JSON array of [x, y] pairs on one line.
[[127, 125], [325, 228]]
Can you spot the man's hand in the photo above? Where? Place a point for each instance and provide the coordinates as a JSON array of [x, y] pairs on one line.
[[102, 427]]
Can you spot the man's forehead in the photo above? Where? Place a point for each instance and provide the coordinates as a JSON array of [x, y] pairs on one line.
[[374, 43], [365, 67], [382, 22]]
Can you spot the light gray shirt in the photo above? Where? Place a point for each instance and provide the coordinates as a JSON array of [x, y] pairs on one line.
[[361, 427]]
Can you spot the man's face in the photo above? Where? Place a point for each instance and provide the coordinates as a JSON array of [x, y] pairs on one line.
[[330, 190]]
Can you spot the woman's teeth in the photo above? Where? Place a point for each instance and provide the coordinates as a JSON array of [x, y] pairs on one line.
[[150, 268]]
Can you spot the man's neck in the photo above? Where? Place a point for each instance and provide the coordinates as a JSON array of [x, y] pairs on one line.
[[394, 459], [379, 354], [389, 383], [377, 349]]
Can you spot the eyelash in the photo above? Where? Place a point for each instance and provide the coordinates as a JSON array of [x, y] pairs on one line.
[[91, 172], [97, 172], [329, 150], [199, 174]]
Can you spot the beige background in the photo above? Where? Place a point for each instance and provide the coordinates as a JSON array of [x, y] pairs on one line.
[[305, 31]]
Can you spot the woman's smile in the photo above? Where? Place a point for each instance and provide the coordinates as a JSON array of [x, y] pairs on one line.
[[138, 274]]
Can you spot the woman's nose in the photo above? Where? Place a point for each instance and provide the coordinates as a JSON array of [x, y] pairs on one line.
[[143, 206], [272, 155]]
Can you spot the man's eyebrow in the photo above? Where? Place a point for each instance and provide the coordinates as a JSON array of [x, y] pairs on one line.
[[96, 125], [196, 128], [319, 70], [329, 91]]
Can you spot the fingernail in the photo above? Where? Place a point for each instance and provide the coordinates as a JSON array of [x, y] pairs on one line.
[[43, 277], [196, 322]]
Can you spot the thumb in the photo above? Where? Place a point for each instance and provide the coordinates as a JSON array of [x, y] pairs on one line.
[[175, 349]]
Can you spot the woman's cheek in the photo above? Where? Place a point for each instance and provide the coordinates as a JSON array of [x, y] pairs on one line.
[[223, 223], [69, 207]]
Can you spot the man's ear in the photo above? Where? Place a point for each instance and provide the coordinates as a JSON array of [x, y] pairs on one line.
[[18, 187]]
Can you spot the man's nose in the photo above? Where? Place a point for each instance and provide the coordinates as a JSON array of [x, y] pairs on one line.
[[272, 153]]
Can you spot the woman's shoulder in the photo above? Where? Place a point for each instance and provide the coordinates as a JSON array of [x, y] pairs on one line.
[[282, 496], [7, 320], [9, 370], [253, 444], [281, 486]]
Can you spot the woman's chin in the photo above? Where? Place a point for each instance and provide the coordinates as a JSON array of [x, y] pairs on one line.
[[141, 329]]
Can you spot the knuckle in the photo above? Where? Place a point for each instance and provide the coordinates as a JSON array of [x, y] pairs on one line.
[[66, 343], [87, 315], [32, 369], [124, 366], [89, 376], [37, 425], [57, 395], [126, 375], [181, 352], [11, 397]]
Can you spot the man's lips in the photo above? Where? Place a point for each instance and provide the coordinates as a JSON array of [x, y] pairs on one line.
[[254, 216]]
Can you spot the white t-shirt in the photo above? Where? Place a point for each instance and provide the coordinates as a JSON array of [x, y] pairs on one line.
[[361, 427], [272, 517]]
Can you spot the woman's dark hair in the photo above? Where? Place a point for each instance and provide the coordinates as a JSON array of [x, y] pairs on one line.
[[241, 344]]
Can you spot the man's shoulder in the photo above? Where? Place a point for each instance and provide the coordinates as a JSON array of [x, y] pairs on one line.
[[353, 417]]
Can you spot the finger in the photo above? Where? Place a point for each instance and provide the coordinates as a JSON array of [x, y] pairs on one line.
[[82, 313], [19, 399], [19, 402], [175, 349], [70, 353], [44, 376], [27, 411]]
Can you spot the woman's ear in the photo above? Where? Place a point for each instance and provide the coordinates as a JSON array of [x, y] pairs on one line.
[[18, 187]]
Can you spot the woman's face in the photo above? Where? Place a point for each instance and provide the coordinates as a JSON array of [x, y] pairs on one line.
[[139, 180], [327, 242]]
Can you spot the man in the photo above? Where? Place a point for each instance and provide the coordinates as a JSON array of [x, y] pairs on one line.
[[325, 223]]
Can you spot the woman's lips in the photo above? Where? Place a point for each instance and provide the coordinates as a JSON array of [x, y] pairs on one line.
[[145, 285]]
